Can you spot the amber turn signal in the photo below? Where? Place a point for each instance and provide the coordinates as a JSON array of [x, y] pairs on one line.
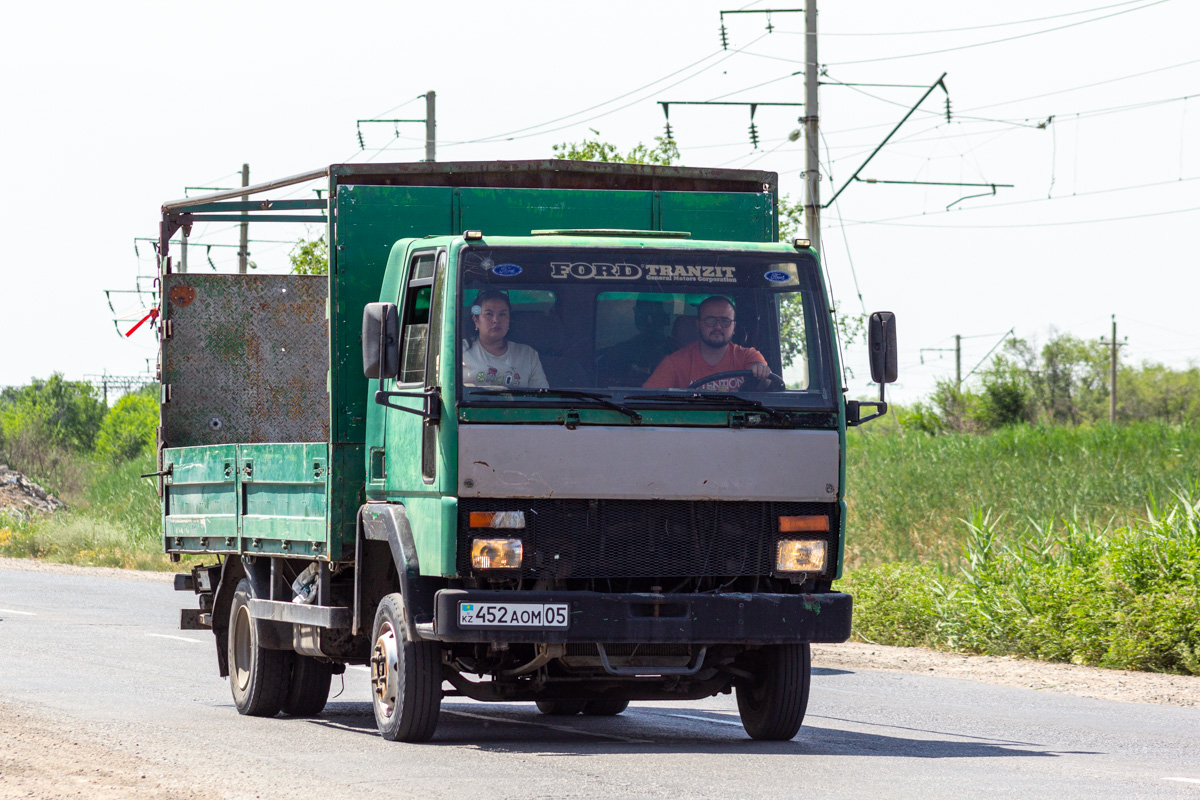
[[496, 519], [814, 524]]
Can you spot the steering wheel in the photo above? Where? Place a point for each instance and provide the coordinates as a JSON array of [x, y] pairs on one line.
[[775, 383]]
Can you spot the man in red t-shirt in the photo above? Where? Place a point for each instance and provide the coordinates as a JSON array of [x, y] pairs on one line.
[[713, 352]]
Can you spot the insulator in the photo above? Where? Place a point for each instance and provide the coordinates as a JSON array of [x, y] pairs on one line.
[[947, 109], [724, 37], [770, 25], [669, 133], [754, 135], [361, 145]]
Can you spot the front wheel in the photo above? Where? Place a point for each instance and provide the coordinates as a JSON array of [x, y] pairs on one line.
[[608, 707], [406, 677], [259, 677], [772, 705], [561, 707]]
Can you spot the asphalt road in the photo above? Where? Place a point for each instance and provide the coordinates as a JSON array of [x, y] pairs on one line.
[[101, 660]]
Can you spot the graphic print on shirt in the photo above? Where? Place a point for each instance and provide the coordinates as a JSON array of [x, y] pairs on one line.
[[723, 385], [493, 377]]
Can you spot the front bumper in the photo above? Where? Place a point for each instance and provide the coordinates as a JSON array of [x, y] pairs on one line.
[[701, 618]]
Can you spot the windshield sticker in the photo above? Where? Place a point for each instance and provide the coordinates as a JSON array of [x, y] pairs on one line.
[[775, 276], [506, 270], [632, 272]]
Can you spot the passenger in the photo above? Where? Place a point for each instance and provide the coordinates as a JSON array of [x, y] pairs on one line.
[[713, 352], [490, 359]]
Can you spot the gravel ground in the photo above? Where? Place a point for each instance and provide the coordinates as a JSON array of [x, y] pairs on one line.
[[1103, 684]]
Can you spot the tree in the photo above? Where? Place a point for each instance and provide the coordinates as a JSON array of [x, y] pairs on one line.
[[310, 257], [45, 422], [664, 152], [54, 412], [129, 427]]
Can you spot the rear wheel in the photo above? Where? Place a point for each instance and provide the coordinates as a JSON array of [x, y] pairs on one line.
[[608, 707], [258, 677], [309, 690], [772, 705], [406, 677], [561, 707]]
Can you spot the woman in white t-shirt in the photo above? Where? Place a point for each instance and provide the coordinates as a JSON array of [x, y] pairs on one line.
[[490, 360]]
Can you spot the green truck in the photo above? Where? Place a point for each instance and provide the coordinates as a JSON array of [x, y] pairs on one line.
[[548, 431]]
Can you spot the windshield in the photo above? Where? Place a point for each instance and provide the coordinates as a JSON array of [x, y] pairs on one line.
[[642, 324]]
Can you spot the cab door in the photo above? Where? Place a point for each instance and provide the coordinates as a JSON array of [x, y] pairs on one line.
[[411, 438]]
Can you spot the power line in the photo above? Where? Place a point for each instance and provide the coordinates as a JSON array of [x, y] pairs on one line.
[[1034, 224], [1088, 85], [973, 27], [996, 41]]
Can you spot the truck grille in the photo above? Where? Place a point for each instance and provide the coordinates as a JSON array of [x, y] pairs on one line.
[[644, 538]]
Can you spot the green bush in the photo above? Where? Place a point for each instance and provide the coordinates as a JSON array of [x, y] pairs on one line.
[[1127, 598], [129, 427]]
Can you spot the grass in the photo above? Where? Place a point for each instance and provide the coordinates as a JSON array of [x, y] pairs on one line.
[[909, 493], [112, 520], [1125, 597]]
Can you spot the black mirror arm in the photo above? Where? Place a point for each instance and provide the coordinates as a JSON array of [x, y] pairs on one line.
[[854, 411], [433, 407]]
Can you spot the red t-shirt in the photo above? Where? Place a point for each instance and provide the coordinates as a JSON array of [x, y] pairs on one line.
[[685, 365]]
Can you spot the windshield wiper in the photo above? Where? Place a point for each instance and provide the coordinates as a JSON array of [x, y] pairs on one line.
[[714, 397], [599, 399]]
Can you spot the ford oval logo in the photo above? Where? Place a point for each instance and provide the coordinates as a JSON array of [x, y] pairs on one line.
[[776, 276], [506, 270]]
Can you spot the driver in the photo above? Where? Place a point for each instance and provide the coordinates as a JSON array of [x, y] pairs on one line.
[[713, 352]]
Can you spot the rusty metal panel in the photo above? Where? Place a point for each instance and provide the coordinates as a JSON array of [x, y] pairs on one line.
[[244, 359]]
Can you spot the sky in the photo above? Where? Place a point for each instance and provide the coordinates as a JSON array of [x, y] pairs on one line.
[[1090, 109]]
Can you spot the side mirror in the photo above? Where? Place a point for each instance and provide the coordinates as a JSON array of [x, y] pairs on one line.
[[881, 341], [381, 340]]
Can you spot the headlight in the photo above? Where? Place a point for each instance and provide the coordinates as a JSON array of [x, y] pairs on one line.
[[496, 553], [801, 555]]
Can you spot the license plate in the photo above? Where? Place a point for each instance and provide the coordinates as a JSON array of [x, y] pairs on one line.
[[513, 615]]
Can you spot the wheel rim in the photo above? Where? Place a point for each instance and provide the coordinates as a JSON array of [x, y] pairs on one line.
[[242, 645], [385, 672]]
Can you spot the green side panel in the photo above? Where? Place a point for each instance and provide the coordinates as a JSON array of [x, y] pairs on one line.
[[369, 221], [200, 499], [346, 495], [516, 212], [284, 505], [722, 216], [434, 521]]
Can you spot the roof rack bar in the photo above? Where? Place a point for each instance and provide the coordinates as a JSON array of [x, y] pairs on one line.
[[232, 194]]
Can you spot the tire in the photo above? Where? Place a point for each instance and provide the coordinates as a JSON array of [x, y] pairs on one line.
[[406, 677], [772, 706], [309, 690], [258, 677], [608, 707], [562, 707]]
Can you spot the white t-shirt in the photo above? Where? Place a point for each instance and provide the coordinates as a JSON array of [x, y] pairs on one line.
[[518, 367]]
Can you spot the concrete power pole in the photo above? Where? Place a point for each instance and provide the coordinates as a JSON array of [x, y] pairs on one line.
[[958, 361], [244, 247], [430, 126], [1112, 371], [812, 166]]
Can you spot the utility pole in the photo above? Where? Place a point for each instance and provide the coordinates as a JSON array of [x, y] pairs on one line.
[[430, 126], [957, 358], [183, 237], [244, 247], [958, 361], [812, 166], [1112, 374]]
